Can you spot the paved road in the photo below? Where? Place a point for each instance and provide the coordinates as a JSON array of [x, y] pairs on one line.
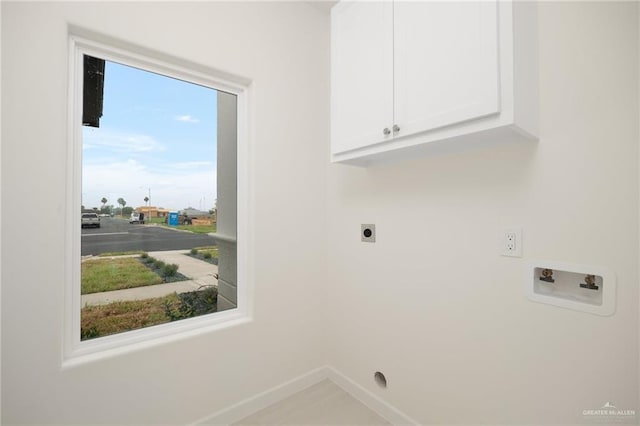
[[118, 235]]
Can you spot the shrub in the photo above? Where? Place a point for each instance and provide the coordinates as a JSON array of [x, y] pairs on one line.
[[169, 270], [199, 302], [172, 310], [194, 251], [89, 333], [207, 255], [194, 303], [144, 255], [158, 264]]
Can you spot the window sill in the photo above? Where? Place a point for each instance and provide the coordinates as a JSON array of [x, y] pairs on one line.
[[121, 344]]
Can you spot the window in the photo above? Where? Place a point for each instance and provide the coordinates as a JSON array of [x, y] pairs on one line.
[[153, 198]]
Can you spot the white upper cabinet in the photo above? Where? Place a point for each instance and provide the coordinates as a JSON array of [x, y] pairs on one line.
[[412, 78], [445, 63], [363, 88]]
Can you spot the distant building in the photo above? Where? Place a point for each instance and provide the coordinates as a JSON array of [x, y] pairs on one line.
[[151, 211]]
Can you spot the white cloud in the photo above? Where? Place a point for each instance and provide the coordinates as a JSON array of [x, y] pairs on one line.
[[120, 142], [130, 179], [192, 165], [187, 119]]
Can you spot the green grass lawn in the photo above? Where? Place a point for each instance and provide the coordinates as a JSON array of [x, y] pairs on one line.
[[208, 254], [118, 317], [197, 229], [116, 274], [213, 250]]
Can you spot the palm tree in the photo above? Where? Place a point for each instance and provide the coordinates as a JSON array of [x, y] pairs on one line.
[[104, 202], [123, 203], [146, 200]]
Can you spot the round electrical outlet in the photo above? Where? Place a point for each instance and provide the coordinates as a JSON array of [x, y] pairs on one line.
[[368, 232]]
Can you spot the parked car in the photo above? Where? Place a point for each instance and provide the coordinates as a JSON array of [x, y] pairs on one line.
[[137, 218], [90, 220]]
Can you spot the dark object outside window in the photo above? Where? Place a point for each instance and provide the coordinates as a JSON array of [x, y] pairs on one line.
[[93, 90]]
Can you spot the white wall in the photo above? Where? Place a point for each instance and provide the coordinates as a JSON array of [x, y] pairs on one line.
[[430, 304], [283, 48], [433, 306]]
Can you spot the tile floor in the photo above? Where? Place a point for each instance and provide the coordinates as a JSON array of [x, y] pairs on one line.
[[322, 404]]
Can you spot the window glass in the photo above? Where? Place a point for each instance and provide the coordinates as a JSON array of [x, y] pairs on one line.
[[158, 155]]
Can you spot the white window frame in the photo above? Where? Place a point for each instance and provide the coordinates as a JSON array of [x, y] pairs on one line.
[[79, 352]]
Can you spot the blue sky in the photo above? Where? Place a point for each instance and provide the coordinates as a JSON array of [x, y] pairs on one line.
[[155, 132]]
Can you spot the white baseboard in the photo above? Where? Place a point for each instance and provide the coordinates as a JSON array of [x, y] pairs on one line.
[[264, 399], [276, 394], [368, 398]]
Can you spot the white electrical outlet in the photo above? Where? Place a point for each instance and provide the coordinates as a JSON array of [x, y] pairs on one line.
[[512, 242]]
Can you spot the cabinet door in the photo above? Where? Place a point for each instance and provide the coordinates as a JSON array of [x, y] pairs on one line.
[[446, 63], [361, 74]]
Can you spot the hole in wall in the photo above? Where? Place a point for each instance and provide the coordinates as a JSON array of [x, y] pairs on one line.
[[380, 379]]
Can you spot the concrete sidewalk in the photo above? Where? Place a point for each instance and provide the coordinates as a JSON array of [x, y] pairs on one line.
[[200, 273]]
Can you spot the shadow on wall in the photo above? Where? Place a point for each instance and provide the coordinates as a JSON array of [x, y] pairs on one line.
[[505, 169]]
